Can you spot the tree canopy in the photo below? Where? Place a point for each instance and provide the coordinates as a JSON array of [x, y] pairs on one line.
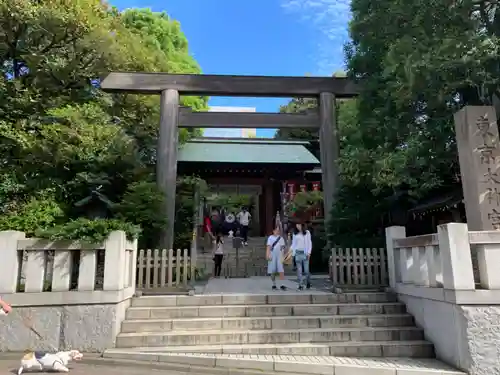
[[418, 62], [61, 136]]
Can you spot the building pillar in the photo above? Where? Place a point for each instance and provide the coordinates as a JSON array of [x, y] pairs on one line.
[[166, 161], [329, 143], [269, 207], [256, 213]]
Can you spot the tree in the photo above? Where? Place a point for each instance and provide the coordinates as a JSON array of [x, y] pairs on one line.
[[419, 62], [61, 136], [298, 105], [356, 168], [304, 105], [80, 146], [162, 35]]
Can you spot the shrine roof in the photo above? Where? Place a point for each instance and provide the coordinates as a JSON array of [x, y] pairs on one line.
[[438, 202], [246, 150]]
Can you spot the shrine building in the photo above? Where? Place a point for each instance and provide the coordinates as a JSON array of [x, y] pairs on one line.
[[267, 169]]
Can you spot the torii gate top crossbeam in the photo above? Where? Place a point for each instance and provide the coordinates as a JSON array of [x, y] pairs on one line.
[[228, 85]]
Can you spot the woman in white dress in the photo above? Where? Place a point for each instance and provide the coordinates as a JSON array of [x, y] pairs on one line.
[[274, 255]]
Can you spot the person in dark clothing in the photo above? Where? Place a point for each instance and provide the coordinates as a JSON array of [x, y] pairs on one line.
[[218, 255], [215, 218]]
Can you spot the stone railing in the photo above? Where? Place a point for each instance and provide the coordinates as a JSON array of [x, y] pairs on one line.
[[58, 284], [441, 264], [434, 276]]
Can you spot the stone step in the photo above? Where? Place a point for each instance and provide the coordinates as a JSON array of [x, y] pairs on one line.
[[172, 338], [292, 365], [262, 323], [376, 349], [263, 310], [278, 298]]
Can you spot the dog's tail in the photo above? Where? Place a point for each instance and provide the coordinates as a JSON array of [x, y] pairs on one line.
[[20, 371]]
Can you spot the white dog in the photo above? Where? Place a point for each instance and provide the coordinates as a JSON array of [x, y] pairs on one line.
[[40, 361]]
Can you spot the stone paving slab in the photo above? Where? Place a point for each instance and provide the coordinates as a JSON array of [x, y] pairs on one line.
[[258, 285], [320, 284], [321, 365], [237, 364]]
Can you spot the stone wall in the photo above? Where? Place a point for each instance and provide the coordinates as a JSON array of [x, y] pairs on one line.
[[88, 328], [464, 336], [78, 308]]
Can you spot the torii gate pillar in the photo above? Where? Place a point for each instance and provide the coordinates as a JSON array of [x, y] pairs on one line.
[[166, 160]]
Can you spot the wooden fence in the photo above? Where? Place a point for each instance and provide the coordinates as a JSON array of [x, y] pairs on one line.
[[359, 267], [157, 269]]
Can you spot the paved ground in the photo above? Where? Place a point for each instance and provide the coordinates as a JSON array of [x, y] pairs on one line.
[[398, 363], [282, 364], [9, 366], [260, 285], [254, 363]]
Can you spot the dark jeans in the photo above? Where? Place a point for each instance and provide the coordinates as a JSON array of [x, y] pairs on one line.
[[244, 232], [218, 264]]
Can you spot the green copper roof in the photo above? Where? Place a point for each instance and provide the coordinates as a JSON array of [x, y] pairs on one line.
[[265, 151]]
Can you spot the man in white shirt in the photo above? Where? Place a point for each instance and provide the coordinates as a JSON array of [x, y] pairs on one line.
[[244, 218]]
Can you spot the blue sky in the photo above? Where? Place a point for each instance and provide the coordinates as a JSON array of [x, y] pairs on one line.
[[259, 37]]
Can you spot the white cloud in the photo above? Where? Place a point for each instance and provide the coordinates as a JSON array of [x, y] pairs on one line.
[[329, 18]]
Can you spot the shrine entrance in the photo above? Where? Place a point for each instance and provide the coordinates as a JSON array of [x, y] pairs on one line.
[[171, 86], [251, 172], [229, 198]]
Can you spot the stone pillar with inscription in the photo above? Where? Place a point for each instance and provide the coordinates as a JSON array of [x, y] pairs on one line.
[[479, 155]]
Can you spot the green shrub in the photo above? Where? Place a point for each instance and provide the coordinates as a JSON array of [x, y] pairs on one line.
[[39, 213], [93, 231], [142, 205]]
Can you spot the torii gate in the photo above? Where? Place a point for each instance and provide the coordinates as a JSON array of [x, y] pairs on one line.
[[171, 86]]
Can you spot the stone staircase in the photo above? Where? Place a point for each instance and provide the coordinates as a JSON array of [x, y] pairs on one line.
[[252, 261], [359, 324]]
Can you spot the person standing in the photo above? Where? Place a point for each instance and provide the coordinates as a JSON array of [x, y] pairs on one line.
[[215, 218], [244, 218], [218, 255], [209, 237], [301, 249], [274, 255]]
